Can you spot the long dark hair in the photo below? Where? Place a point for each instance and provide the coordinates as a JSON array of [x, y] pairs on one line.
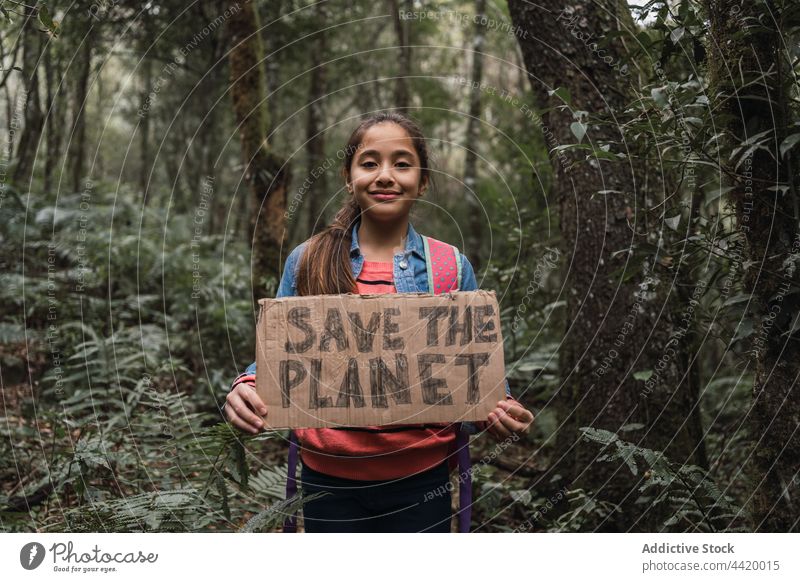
[[324, 267]]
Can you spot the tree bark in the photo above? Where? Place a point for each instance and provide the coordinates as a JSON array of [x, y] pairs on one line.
[[272, 81], [402, 30], [476, 214], [77, 141], [748, 70], [55, 120], [317, 192], [617, 323], [145, 158], [266, 174], [32, 43], [8, 69]]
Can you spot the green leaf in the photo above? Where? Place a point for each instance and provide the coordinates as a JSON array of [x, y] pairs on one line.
[[677, 34], [605, 153], [782, 188], [274, 515], [673, 221], [659, 95], [47, 20], [789, 143], [716, 193], [742, 297], [222, 488], [626, 454], [598, 435], [578, 129], [571, 146], [759, 137], [631, 426], [643, 375], [522, 496], [743, 330], [562, 93], [795, 327]]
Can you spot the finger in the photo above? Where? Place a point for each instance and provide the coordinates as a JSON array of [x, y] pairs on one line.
[[251, 396], [243, 426], [517, 411], [497, 427], [235, 420], [495, 433], [242, 410], [512, 425], [240, 401]]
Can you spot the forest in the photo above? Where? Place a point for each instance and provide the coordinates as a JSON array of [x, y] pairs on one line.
[[623, 175]]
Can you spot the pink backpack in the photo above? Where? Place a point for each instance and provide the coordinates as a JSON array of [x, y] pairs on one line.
[[443, 264]]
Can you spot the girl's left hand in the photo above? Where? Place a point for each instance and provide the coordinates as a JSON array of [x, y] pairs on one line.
[[509, 418]]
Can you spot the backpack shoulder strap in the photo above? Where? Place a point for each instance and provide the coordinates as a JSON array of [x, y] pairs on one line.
[[443, 262]]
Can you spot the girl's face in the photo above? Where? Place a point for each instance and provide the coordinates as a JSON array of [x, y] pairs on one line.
[[385, 174]]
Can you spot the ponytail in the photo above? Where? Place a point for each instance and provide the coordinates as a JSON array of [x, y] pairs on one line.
[[324, 267]]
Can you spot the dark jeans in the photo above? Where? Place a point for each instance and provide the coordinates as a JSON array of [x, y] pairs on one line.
[[418, 503]]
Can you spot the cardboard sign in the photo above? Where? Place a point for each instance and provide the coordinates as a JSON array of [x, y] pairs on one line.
[[380, 359]]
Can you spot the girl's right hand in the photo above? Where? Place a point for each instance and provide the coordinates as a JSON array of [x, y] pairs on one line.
[[241, 401]]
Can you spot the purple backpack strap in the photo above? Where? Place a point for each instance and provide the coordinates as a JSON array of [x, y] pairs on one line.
[[290, 523], [464, 481]]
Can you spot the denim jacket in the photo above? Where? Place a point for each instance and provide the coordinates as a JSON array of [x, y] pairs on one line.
[[410, 271]]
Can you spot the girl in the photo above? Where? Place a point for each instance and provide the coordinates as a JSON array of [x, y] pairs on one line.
[[378, 478]]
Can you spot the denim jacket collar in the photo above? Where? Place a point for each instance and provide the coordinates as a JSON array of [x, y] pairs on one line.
[[413, 241]]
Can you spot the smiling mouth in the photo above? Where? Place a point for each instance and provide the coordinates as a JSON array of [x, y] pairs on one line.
[[385, 193]]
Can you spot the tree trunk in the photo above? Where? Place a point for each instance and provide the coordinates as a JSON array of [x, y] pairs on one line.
[[317, 192], [477, 214], [55, 114], [266, 174], [272, 81], [34, 119], [6, 73], [210, 136], [145, 159], [402, 30], [77, 141], [748, 69], [617, 324]]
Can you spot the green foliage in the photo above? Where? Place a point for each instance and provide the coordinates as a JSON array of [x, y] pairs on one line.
[[694, 501], [132, 367], [274, 516], [585, 513], [179, 510]]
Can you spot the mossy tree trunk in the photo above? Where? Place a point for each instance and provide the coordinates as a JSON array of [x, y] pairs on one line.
[[477, 214], [265, 173], [76, 151], [32, 42], [748, 69], [618, 322], [317, 193], [402, 28]]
